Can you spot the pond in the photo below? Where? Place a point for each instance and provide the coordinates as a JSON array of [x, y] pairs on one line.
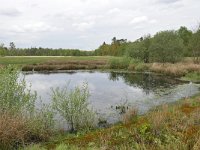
[[108, 90]]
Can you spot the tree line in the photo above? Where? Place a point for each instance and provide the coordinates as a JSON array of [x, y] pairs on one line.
[[164, 46], [13, 51]]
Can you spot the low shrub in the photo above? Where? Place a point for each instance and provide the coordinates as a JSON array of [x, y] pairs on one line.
[[14, 96], [73, 106], [119, 63], [20, 122], [19, 130], [141, 67]]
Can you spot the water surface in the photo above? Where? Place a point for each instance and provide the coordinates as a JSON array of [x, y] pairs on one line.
[[110, 89]]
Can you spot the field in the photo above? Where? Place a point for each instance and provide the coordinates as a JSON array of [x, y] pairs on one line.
[[30, 60], [48, 63]]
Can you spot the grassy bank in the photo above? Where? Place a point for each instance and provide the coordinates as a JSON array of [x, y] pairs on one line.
[[166, 127], [186, 69], [30, 60]]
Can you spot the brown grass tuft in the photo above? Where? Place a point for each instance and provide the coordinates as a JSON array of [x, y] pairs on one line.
[[17, 130], [12, 130], [129, 116], [178, 69]]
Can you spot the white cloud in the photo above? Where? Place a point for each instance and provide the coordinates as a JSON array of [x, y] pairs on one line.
[[88, 23], [143, 19], [139, 20], [114, 11], [33, 27], [10, 12], [153, 21], [82, 26], [168, 1]]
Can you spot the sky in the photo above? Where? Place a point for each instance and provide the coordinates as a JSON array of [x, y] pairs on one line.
[[86, 24]]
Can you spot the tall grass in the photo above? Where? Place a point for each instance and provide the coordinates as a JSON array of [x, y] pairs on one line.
[[19, 130], [119, 63], [178, 69], [192, 76]]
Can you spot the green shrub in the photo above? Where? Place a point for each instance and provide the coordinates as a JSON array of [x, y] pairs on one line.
[[20, 122], [135, 61], [113, 63], [14, 96], [166, 46], [73, 105], [40, 124], [141, 67], [119, 63]]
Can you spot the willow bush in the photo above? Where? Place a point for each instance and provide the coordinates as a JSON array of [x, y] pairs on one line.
[[14, 96], [73, 106], [20, 122]]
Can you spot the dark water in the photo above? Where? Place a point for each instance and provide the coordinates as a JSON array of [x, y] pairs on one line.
[[110, 89]]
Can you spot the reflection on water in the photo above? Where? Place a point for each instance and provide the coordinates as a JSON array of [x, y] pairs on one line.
[[142, 91]]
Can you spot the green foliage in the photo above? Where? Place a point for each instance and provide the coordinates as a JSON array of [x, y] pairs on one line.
[[139, 49], [73, 106], [119, 63], [135, 61], [195, 45], [2, 49], [192, 76], [13, 51], [20, 122], [166, 46], [113, 63], [14, 96], [144, 128], [186, 36], [134, 50], [41, 122], [116, 48], [141, 67]]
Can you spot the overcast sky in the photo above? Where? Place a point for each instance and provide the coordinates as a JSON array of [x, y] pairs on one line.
[[85, 24]]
